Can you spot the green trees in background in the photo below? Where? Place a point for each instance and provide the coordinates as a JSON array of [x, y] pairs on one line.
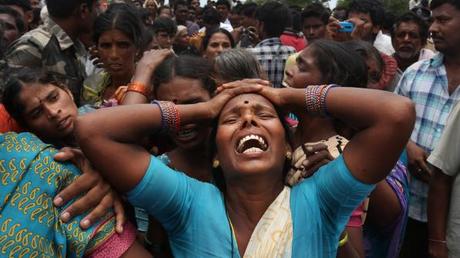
[[396, 7]]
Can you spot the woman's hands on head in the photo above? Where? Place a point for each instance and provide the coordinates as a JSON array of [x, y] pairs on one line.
[[98, 197], [230, 90], [278, 96], [263, 88]]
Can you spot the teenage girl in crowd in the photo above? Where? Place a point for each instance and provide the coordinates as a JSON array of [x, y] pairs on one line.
[[118, 37]]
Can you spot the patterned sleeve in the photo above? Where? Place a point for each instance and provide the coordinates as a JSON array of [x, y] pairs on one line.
[[30, 181]]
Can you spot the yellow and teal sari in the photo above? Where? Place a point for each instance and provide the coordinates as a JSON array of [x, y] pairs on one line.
[[29, 222]]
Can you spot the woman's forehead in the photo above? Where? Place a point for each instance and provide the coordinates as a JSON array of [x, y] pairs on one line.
[[249, 100], [35, 89], [33, 95]]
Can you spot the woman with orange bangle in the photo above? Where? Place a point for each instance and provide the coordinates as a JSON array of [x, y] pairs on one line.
[[118, 36]]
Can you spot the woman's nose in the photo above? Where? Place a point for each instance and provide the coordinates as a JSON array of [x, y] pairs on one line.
[[51, 111], [249, 120]]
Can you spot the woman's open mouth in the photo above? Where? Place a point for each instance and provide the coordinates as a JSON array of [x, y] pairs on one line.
[[187, 134], [64, 123], [251, 144]]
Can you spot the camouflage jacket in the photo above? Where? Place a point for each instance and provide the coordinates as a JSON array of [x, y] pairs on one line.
[[50, 48]]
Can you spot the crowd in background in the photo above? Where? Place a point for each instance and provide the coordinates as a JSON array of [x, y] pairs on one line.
[[353, 109]]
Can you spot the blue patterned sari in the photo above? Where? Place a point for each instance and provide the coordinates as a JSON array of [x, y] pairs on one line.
[[29, 222]]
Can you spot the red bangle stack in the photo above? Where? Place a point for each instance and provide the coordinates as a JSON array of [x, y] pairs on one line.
[[315, 99], [170, 117]]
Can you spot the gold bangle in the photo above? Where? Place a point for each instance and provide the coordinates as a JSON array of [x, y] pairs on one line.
[[344, 240]]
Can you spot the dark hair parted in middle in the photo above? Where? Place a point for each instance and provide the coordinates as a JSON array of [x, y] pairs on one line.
[[338, 64], [207, 37], [184, 66], [122, 17], [16, 81]]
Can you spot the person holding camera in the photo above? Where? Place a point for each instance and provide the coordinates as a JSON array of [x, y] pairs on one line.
[[365, 19]]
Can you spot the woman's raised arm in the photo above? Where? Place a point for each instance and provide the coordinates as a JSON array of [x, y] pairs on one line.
[[143, 75], [384, 122]]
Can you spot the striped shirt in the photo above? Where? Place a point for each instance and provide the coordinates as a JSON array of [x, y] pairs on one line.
[[426, 84], [272, 56]]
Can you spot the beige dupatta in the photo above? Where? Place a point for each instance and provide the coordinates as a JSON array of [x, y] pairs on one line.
[[272, 236]]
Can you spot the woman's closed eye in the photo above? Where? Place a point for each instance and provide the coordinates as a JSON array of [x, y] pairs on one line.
[[35, 113], [53, 97], [301, 65], [265, 115], [230, 119]]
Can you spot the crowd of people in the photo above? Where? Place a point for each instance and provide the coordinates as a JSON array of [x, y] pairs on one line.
[[135, 128]]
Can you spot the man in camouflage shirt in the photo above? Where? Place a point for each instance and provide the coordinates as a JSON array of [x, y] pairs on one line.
[[54, 46]]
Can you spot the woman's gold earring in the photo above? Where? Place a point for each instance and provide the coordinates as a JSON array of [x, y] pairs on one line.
[[288, 155], [215, 163]]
